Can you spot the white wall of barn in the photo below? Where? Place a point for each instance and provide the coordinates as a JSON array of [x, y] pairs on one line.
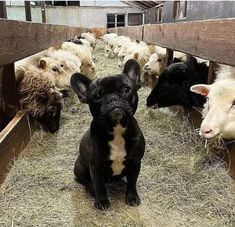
[[90, 17]]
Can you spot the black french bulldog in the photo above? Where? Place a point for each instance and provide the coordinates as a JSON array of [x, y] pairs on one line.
[[114, 145]]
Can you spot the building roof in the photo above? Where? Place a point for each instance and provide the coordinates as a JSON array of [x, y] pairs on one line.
[[143, 5]]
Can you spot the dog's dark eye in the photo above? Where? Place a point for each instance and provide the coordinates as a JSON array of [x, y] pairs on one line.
[[96, 98], [127, 90]]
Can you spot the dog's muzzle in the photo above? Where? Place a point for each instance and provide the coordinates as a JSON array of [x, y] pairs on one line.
[[117, 114]]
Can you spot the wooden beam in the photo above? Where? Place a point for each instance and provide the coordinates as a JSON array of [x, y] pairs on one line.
[[43, 10], [9, 103], [211, 39], [13, 140], [3, 9], [27, 6], [169, 55], [22, 39]]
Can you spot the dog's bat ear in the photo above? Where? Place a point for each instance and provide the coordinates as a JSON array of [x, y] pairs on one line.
[[80, 85], [132, 69]]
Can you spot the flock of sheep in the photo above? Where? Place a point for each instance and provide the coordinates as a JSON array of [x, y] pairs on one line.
[[44, 78]]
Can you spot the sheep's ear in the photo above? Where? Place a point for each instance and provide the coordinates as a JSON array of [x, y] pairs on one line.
[[80, 85], [136, 56], [42, 63], [132, 69], [201, 89]]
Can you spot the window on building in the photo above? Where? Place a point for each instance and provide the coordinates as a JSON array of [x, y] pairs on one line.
[[57, 3], [120, 20], [111, 21], [180, 9], [73, 3], [135, 19], [60, 3], [115, 20]]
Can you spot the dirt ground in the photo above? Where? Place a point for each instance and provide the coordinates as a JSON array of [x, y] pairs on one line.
[[178, 185]]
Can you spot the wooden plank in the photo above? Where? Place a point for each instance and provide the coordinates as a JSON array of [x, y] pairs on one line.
[[22, 39], [134, 32], [9, 103], [211, 39], [169, 55], [43, 11], [3, 9], [13, 140], [27, 6]]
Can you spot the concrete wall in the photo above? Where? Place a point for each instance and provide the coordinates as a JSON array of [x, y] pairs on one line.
[[201, 10], [89, 17]]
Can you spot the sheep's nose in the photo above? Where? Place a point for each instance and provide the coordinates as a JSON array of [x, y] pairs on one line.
[[207, 132]]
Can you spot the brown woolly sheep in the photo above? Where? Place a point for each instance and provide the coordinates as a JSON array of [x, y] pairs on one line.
[[38, 95]]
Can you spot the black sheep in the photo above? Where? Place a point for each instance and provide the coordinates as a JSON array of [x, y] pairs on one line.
[[173, 87]]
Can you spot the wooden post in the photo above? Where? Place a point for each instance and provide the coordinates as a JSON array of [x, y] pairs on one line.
[[3, 9], [9, 103], [43, 9], [169, 55], [27, 6]]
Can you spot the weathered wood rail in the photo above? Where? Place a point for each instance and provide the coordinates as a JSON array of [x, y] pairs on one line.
[[20, 40]]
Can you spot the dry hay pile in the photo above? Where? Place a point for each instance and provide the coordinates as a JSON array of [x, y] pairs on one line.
[[177, 188]]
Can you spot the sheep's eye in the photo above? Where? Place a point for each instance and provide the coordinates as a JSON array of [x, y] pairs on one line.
[[233, 103], [62, 65], [127, 90], [159, 60], [54, 69]]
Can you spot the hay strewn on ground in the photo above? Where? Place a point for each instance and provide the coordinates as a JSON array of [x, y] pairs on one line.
[[176, 187]]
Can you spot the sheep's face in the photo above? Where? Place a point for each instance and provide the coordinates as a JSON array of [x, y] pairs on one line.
[[88, 69], [47, 110], [219, 110], [155, 65], [58, 72], [109, 51]]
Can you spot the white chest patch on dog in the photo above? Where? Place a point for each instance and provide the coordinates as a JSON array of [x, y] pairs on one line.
[[117, 150]]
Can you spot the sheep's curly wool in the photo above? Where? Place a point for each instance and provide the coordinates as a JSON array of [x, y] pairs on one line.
[[37, 93]]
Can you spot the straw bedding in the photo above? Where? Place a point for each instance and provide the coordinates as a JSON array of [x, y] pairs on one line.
[[176, 184]]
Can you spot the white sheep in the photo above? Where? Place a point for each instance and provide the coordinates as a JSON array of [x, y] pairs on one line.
[[219, 109], [85, 55], [109, 36], [90, 37]]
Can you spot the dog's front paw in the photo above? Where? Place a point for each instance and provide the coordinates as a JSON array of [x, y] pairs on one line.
[[132, 200], [102, 204]]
